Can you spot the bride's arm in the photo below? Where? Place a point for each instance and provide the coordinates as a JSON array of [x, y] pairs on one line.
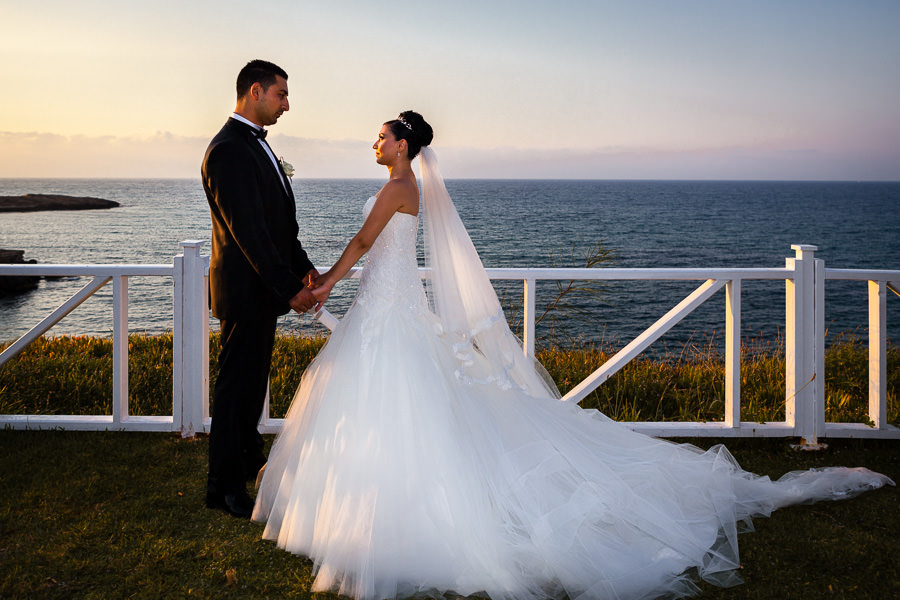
[[392, 197]]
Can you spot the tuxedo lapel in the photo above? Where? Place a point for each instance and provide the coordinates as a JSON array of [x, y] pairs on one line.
[[255, 145]]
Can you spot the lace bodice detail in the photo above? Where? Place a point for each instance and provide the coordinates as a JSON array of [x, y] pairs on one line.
[[390, 278]]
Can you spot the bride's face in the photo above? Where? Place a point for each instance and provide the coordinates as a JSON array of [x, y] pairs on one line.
[[386, 146]]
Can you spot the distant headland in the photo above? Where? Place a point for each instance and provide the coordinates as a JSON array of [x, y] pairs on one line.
[[36, 202]]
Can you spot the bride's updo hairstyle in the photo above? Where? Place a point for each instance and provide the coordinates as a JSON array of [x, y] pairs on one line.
[[410, 126]]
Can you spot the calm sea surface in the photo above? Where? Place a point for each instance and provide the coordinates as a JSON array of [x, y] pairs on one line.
[[526, 223]]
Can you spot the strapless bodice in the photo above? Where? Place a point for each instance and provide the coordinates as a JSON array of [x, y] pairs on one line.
[[390, 278]]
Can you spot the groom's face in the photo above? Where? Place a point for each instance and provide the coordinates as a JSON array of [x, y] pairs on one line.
[[272, 101]]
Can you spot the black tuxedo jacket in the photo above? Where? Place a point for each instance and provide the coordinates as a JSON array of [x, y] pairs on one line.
[[257, 263]]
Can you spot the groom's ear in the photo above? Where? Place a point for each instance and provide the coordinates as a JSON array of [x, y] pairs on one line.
[[256, 90]]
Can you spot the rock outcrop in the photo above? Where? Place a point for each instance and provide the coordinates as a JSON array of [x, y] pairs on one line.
[[35, 202], [14, 284]]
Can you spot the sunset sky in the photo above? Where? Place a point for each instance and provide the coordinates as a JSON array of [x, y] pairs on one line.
[[689, 89]]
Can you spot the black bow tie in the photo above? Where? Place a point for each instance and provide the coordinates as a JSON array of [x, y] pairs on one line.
[[260, 133]]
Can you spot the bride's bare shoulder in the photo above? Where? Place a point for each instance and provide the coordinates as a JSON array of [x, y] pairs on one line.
[[404, 186], [401, 193]]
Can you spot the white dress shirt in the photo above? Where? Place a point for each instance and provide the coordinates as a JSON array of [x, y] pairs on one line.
[[264, 145]]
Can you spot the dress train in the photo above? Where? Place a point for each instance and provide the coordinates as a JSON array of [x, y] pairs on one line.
[[398, 475]]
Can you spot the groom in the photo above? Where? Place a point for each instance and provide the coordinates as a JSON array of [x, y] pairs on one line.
[[257, 271]]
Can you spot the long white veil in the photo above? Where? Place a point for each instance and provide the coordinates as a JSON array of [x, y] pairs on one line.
[[464, 300]]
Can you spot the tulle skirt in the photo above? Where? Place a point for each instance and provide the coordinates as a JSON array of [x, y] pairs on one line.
[[397, 478]]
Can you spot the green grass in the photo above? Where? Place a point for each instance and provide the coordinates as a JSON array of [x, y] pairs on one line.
[[73, 375], [120, 515], [690, 385]]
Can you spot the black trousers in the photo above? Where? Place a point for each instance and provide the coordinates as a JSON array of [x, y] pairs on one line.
[[235, 445]]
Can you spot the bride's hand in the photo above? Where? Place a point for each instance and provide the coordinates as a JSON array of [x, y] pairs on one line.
[[320, 279], [321, 291]]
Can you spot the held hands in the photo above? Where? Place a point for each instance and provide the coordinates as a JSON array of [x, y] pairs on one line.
[[312, 296], [305, 300]]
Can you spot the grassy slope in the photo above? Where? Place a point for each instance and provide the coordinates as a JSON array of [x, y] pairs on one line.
[[99, 515]]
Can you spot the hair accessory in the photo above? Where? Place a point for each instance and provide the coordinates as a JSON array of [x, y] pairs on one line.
[[405, 123]]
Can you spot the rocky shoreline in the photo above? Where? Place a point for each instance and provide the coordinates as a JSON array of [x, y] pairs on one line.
[[36, 202], [15, 284]]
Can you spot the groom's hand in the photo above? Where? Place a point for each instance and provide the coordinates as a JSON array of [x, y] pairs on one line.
[[310, 278], [303, 301]]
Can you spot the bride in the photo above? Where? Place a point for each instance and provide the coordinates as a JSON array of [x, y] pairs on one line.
[[424, 454]]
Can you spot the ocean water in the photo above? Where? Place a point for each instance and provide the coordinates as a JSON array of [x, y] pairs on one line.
[[522, 223]]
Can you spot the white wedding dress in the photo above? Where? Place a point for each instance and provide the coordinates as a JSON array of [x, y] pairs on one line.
[[399, 474]]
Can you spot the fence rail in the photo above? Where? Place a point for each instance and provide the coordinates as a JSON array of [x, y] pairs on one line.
[[805, 279], [190, 394]]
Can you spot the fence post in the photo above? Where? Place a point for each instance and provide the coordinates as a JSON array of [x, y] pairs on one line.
[[177, 336], [878, 353], [800, 346], [120, 350], [733, 353], [528, 317], [191, 341], [819, 341]]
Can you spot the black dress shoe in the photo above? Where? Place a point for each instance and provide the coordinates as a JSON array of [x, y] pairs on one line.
[[237, 504]]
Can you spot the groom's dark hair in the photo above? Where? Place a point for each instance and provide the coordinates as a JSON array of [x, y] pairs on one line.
[[261, 71]]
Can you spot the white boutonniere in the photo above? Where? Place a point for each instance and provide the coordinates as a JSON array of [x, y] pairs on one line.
[[287, 167]]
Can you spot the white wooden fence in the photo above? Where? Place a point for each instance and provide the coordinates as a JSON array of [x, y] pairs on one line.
[[190, 393], [804, 275]]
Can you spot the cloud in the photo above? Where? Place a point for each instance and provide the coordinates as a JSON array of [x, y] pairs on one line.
[[51, 155], [729, 163], [166, 155]]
